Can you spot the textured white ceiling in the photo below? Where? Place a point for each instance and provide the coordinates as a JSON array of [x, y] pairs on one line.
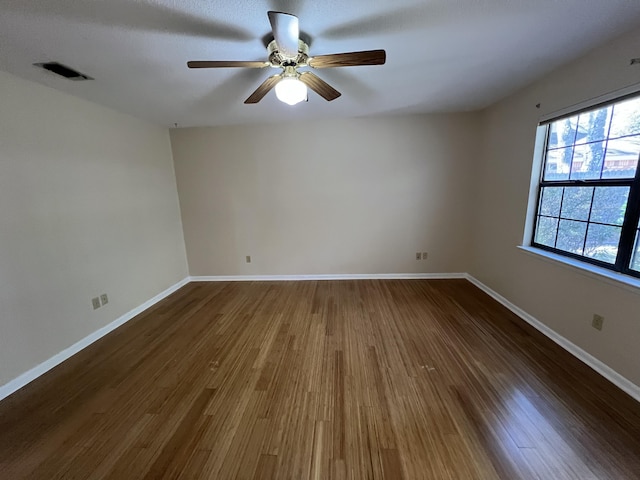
[[442, 55]]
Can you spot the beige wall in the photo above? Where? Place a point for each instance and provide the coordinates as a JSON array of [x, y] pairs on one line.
[[88, 205], [344, 196], [558, 296]]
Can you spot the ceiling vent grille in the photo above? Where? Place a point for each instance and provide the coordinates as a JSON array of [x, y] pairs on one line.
[[63, 71]]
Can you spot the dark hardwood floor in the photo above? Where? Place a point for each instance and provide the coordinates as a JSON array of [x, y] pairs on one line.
[[394, 379]]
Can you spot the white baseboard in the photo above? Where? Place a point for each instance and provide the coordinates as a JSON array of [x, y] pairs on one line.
[[607, 372], [337, 276], [27, 377], [604, 370]]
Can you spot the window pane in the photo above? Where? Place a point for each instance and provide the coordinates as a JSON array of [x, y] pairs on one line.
[[626, 118], [594, 125], [602, 242], [563, 132], [546, 231], [587, 161], [550, 202], [635, 261], [571, 236], [621, 160], [609, 204], [580, 211], [558, 163], [576, 203]]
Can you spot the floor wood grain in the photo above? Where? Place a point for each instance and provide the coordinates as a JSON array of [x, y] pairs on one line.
[[371, 379]]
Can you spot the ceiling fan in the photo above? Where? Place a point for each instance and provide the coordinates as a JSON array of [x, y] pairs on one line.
[[289, 53]]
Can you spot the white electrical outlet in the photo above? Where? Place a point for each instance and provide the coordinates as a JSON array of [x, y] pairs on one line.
[[95, 301], [104, 299], [424, 255]]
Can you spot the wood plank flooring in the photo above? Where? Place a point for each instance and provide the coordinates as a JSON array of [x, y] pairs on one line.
[[394, 379]]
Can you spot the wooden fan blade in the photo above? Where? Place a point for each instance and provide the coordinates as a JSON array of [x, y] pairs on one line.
[[226, 64], [263, 89], [286, 31], [351, 59], [319, 86]]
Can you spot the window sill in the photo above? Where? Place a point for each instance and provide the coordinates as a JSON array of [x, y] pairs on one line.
[[613, 278]]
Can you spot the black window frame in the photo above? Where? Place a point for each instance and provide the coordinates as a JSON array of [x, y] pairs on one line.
[[631, 223]]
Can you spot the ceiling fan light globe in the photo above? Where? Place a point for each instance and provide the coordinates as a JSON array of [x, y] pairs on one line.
[[290, 90]]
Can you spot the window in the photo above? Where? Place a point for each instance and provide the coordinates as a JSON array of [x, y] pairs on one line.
[[589, 192]]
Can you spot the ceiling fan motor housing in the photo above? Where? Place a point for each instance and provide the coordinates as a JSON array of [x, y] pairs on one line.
[[278, 59]]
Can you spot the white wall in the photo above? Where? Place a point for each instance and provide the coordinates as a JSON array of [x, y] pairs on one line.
[[342, 196], [88, 205], [558, 296]]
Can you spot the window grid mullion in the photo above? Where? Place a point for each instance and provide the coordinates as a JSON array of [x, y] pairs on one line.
[[555, 240], [621, 137], [606, 182], [586, 232], [581, 221], [573, 147], [606, 139]]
